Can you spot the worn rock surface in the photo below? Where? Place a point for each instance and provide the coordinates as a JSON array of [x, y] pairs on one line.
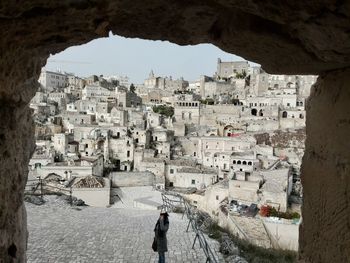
[[295, 37], [325, 231], [285, 37], [16, 147]]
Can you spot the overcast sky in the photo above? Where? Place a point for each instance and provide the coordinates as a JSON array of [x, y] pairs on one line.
[[136, 57]]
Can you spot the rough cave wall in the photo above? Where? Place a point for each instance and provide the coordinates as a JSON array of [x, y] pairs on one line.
[[325, 232], [16, 147], [297, 37]]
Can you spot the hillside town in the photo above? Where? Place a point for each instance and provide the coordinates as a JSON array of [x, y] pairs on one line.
[[231, 144]]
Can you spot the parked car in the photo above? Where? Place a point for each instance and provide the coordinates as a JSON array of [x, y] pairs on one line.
[[252, 210], [233, 203]]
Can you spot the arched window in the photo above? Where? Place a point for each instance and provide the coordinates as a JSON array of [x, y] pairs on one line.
[[284, 114], [261, 113], [238, 162], [234, 162], [301, 116], [254, 112], [250, 163], [244, 163]]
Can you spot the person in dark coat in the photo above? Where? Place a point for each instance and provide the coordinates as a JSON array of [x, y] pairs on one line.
[[160, 231]]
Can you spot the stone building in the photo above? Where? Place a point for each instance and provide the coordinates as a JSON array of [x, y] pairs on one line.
[[141, 137], [122, 151], [97, 92], [276, 189], [46, 130], [154, 82], [77, 118], [191, 177], [230, 69], [119, 116], [128, 99], [60, 142], [60, 98], [187, 109], [74, 81], [244, 186], [86, 166], [52, 80]]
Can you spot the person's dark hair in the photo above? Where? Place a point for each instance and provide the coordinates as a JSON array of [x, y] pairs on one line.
[[166, 215]]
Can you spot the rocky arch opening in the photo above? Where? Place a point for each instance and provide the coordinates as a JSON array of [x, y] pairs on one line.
[[299, 32]]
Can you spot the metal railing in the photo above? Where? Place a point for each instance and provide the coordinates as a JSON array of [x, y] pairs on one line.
[[39, 188], [34, 187], [178, 202], [273, 166]]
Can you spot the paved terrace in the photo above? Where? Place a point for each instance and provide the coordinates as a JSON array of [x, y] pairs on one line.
[[60, 233]]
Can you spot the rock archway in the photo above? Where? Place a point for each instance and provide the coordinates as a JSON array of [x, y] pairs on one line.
[[300, 37]]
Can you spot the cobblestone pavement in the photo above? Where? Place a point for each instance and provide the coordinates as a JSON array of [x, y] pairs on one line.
[[60, 233]]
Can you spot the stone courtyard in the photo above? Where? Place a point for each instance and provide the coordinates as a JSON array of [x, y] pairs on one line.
[[60, 233]]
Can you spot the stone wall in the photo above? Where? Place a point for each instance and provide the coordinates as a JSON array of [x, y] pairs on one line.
[[282, 139], [124, 179], [97, 197], [325, 231], [283, 235]]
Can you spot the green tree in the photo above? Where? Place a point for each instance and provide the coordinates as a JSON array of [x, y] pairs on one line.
[[208, 101], [164, 110], [241, 75]]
